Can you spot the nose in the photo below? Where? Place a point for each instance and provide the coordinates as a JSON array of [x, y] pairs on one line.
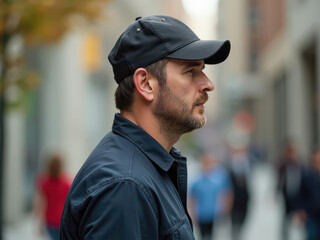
[[206, 85]]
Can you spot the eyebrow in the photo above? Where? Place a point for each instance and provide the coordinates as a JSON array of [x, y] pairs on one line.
[[193, 64]]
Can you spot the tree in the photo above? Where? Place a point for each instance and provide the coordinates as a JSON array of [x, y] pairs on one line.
[[35, 22]]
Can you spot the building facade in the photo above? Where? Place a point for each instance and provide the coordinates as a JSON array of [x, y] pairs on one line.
[[279, 54]]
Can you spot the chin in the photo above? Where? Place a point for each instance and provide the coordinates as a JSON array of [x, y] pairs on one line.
[[200, 117], [201, 121], [204, 121]]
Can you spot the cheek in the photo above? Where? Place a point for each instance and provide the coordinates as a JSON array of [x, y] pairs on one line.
[[183, 98], [183, 90], [189, 92]]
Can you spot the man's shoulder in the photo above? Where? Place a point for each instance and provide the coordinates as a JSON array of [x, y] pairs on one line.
[[110, 157], [114, 159]]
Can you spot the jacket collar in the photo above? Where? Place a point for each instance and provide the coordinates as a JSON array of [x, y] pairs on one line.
[[147, 144]]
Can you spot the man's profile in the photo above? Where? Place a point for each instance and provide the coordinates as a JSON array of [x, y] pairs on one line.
[[134, 183]]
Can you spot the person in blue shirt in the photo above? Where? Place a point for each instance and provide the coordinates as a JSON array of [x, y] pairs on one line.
[[134, 184], [211, 195]]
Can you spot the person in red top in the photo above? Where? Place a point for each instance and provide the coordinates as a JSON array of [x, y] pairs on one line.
[[51, 192]]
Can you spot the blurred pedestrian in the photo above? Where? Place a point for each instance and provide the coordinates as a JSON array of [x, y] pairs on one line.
[[51, 191], [290, 172], [239, 172], [210, 196], [310, 194], [134, 184], [257, 154]]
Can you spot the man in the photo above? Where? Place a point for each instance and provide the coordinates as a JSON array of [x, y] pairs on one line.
[[239, 170], [310, 198], [133, 185], [290, 173], [211, 195]]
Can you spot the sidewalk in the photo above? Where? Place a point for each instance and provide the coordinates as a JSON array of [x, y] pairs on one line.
[[24, 230], [265, 213]]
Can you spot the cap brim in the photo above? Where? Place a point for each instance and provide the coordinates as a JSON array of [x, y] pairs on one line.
[[211, 51]]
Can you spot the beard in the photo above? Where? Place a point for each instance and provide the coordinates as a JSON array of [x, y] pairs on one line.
[[175, 115]]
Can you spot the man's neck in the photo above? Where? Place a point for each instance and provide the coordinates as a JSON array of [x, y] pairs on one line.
[[152, 126]]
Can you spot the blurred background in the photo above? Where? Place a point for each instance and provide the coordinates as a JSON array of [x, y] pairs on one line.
[[57, 96]]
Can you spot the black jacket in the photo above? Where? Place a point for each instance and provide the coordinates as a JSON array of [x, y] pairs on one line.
[[129, 188]]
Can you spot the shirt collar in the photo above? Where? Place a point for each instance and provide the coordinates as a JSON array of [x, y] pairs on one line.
[[146, 143]]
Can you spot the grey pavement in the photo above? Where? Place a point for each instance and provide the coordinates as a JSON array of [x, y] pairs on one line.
[[265, 213], [26, 229]]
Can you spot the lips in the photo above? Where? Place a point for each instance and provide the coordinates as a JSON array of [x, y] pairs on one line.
[[202, 100]]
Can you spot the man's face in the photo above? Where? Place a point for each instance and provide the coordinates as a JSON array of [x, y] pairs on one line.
[[180, 102]]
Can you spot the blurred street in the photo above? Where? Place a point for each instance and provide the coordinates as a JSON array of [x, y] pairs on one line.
[[263, 223], [57, 97]]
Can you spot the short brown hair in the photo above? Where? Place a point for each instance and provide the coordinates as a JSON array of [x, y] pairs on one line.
[[55, 166], [125, 90]]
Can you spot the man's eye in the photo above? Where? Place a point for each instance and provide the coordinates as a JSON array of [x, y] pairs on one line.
[[192, 71]]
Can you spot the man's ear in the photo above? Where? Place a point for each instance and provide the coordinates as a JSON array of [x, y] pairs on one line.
[[144, 83]]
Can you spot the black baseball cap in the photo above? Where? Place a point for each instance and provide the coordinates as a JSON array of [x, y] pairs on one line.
[[152, 38]]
